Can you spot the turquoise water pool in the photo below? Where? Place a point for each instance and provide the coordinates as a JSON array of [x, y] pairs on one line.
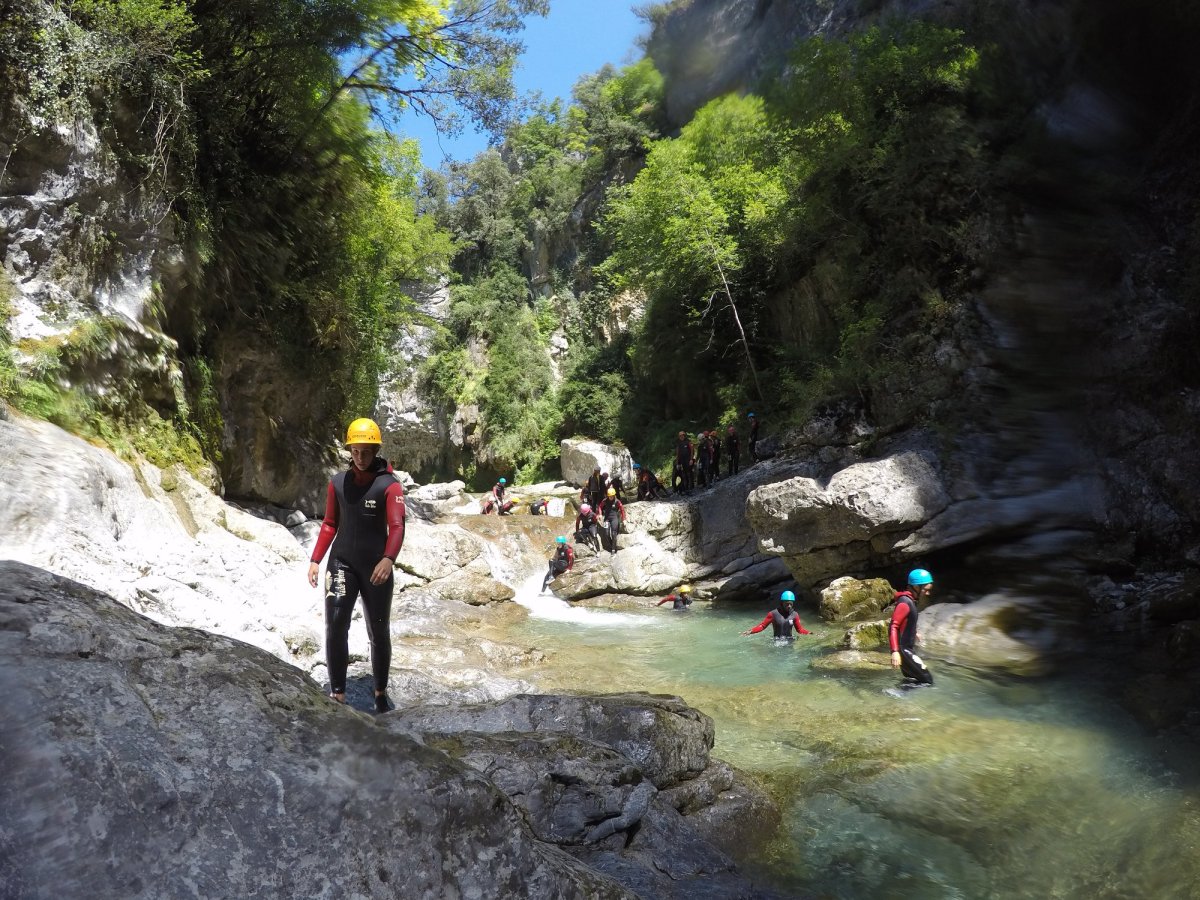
[[979, 787]]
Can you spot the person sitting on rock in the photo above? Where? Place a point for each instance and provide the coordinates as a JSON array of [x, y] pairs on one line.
[[612, 511], [681, 599], [902, 630], [587, 527], [561, 561], [649, 487], [782, 619], [497, 502]]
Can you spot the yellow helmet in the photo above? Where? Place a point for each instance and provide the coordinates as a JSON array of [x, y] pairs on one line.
[[363, 431], [685, 589], [612, 492]]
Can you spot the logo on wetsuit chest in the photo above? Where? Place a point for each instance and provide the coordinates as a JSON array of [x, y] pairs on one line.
[[369, 504]]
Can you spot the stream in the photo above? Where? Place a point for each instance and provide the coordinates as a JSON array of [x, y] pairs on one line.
[[982, 786]]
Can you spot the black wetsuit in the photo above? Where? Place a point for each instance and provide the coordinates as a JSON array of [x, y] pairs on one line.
[[731, 453], [782, 624], [560, 562], [902, 636], [360, 542], [593, 490], [753, 439]]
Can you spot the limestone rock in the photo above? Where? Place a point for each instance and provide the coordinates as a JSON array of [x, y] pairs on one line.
[[849, 598], [579, 457], [432, 501], [667, 740], [855, 519], [867, 636], [436, 551], [176, 763], [1003, 630]]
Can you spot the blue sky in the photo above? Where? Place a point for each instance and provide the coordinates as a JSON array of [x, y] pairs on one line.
[[577, 38]]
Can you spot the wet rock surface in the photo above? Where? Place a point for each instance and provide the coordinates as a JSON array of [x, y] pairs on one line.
[[173, 762]]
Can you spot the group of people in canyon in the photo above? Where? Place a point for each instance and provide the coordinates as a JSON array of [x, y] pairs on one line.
[[363, 532]]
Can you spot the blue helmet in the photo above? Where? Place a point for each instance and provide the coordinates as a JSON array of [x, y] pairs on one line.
[[502, 481], [787, 597], [749, 415], [919, 577], [560, 540], [637, 465]]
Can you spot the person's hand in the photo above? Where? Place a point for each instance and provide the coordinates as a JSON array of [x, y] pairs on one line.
[[895, 659], [313, 570], [382, 571], [744, 633]]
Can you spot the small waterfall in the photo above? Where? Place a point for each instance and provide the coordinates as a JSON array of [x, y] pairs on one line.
[[547, 606]]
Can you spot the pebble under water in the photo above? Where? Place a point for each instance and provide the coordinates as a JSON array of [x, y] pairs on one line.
[[982, 786]]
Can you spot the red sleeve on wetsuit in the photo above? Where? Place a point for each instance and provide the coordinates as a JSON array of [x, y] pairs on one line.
[[800, 629], [621, 510], [668, 599], [328, 525], [570, 557], [761, 625], [394, 498], [899, 615]]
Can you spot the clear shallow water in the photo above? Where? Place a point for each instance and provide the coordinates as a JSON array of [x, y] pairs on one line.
[[979, 787]]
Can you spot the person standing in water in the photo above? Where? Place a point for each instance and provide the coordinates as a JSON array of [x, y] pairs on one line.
[[902, 631], [681, 599], [782, 619], [364, 523]]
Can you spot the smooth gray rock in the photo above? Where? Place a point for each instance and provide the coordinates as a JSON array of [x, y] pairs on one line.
[[664, 737], [580, 457], [146, 762], [853, 520]]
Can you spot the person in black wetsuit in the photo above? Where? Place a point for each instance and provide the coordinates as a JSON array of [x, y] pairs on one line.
[[902, 630], [681, 599], [715, 454], [593, 489], [684, 471], [587, 527], [561, 561], [732, 450], [753, 436], [782, 619], [612, 513], [364, 523]]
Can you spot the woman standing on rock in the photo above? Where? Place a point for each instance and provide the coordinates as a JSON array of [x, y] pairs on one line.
[[364, 522]]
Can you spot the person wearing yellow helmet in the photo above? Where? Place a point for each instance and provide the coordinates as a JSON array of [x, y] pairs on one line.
[[612, 512], [364, 530], [681, 599]]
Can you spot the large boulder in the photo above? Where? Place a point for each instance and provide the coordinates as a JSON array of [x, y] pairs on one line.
[[849, 598], [858, 518], [432, 501], [1005, 631], [143, 761], [580, 457]]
